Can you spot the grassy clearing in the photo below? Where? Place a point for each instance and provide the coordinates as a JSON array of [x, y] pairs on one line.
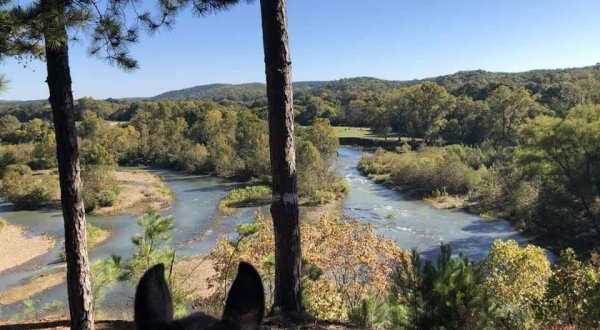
[[363, 133], [239, 197]]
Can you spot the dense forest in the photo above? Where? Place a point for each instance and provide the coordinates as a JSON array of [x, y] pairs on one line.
[[193, 136]]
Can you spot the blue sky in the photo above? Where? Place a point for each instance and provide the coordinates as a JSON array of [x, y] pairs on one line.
[[332, 39]]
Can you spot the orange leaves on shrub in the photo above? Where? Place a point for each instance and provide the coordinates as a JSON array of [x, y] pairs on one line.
[[344, 262]]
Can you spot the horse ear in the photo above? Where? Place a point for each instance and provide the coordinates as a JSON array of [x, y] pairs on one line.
[[153, 303], [245, 304]]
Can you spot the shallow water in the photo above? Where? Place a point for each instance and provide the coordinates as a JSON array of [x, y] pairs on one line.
[[412, 223], [197, 226]]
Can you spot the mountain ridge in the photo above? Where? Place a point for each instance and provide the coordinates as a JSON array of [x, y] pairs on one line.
[[255, 90]]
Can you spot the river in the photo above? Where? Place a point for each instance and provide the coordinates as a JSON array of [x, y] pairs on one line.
[[412, 223]]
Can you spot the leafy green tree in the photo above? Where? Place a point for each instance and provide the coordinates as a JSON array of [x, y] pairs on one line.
[[322, 136], [252, 139], [194, 158], [95, 154], [100, 186], [26, 191], [315, 107], [44, 153], [417, 110], [310, 168], [572, 297], [36, 130], [561, 96], [564, 155], [90, 126], [516, 278], [9, 128], [508, 109], [466, 122]]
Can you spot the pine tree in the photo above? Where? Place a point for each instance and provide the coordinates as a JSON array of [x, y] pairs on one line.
[[284, 204], [47, 23]]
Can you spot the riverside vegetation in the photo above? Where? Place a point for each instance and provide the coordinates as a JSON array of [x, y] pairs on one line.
[[368, 281], [518, 146], [193, 136]]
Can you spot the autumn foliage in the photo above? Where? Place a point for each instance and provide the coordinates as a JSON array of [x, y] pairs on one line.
[[345, 262]]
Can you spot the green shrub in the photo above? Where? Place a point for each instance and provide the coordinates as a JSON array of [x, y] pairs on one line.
[[2, 223], [100, 186], [317, 181], [322, 197], [52, 307], [27, 192], [93, 235], [243, 195], [21, 169], [426, 171], [105, 273], [106, 198], [15, 154], [193, 158]]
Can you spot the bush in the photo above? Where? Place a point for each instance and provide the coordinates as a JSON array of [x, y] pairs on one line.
[[106, 198], [193, 158], [317, 182], [28, 192], [93, 235], [572, 296], [100, 186], [16, 154], [345, 262], [21, 169], [425, 171], [2, 223], [517, 279], [243, 195]]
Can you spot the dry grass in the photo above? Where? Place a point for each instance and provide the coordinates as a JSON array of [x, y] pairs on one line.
[[17, 247], [447, 202], [193, 273], [139, 191]]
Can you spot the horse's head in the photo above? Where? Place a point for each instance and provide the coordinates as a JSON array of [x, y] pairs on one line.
[[244, 307]]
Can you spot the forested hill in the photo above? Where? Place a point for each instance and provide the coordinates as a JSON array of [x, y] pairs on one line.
[[240, 92], [476, 84], [254, 91]]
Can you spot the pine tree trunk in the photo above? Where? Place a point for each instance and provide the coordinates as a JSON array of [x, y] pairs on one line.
[[61, 101], [284, 203]]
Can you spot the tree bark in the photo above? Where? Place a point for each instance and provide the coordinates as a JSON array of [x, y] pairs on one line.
[[61, 101], [284, 203]]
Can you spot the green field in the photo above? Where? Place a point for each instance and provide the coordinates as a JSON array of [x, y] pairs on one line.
[[363, 133]]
